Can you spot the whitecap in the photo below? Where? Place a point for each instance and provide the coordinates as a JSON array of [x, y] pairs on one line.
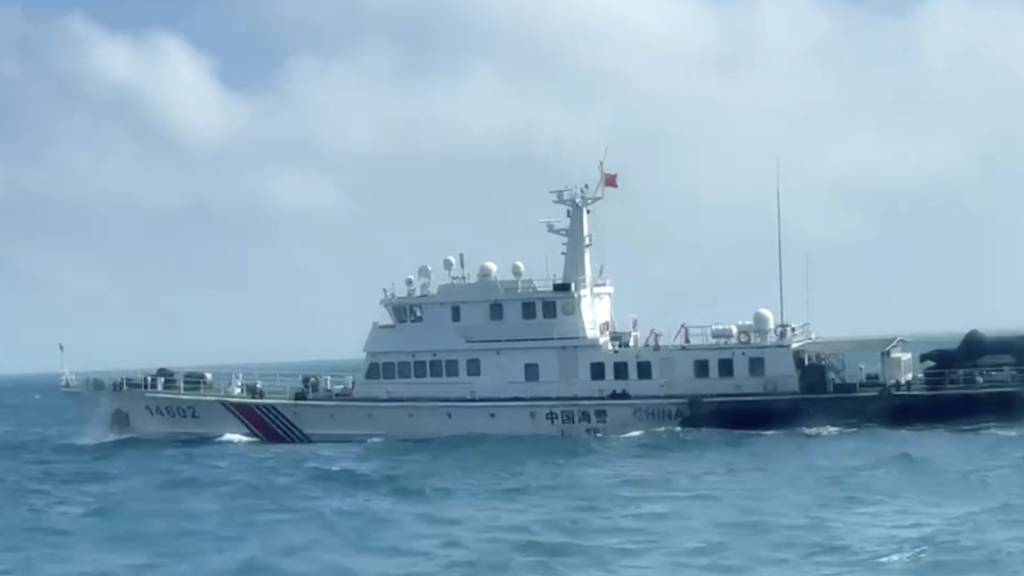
[[235, 438], [633, 434], [1002, 432], [825, 430], [908, 556], [95, 439]]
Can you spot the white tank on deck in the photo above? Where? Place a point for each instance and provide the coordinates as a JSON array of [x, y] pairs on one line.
[[488, 272], [764, 321], [723, 331]]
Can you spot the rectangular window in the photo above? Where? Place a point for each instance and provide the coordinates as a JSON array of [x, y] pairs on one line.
[[549, 309], [529, 310], [725, 367], [373, 371], [497, 312], [701, 369], [419, 369], [404, 370], [597, 370], [388, 369], [531, 372], [401, 314], [643, 370], [620, 370], [451, 368], [415, 313], [473, 367], [436, 369], [456, 313], [755, 366]]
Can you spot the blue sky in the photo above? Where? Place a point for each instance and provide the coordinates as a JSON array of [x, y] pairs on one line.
[[198, 182]]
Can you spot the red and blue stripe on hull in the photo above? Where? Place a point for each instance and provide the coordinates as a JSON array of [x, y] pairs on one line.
[[267, 422]]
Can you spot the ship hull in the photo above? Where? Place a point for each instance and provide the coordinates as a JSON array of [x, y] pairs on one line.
[[888, 408], [146, 414], [162, 415]]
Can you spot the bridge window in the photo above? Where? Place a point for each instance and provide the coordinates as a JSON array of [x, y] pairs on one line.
[[415, 313], [451, 368], [755, 365], [419, 369], [388, 369], [643, 370], [529, 310], [549, 309], [456, 313], [531, 372], [620, 370], [373, 371], [497, 312], [701, 368], [725, 369], [473, 367], [401, 314], [404, 370], [597, 371], [436, 369]]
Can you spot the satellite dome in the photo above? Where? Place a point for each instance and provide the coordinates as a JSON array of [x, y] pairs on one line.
[[518, 269], [423, 272], [764, 321], [449, 263], [488, 271]]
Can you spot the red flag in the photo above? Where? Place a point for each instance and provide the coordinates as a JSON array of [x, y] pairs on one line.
[[611, 180]]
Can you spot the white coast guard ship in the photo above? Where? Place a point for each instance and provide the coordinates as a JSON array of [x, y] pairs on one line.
[[490, 355]]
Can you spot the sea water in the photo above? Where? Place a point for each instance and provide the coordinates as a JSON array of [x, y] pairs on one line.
[[827, 500]]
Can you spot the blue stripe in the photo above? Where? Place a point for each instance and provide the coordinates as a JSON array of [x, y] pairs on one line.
[[273, 421], [288, 422]]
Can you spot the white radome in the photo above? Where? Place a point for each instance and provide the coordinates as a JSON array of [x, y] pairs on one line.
[[764, 321], [488, 271]]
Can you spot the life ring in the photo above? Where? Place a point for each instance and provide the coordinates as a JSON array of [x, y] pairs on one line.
[[743, 337]]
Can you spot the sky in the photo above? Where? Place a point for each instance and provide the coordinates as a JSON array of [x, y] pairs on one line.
[[236, 181]]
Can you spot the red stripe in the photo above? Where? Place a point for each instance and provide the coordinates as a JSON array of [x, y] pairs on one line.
[[265, 429]]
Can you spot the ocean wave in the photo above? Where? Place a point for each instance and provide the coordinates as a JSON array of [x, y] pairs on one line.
[[908, 556], [825, 430], [1002, 431], [95, 439], [632, 434], [236, 438]]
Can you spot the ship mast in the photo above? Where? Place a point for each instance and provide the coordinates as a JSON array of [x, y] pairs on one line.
[[577, 234]]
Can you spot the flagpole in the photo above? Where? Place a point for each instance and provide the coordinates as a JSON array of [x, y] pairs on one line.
[[778, 223]]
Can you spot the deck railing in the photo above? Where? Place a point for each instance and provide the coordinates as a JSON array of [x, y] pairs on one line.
[[252, 384], [716, 334], [308, 385]]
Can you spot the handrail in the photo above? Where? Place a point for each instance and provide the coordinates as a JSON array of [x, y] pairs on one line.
[[704, 334]]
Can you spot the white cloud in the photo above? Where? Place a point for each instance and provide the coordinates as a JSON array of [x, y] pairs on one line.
[[384, 134], [161, 75]]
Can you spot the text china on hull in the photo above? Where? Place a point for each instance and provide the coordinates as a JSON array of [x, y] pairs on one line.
[[519, 356]]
